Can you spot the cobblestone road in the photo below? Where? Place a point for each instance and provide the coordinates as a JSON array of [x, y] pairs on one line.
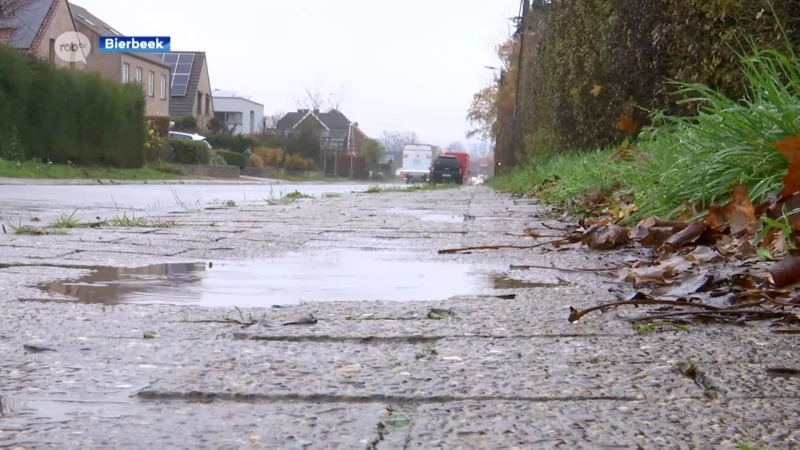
[[471, 371]]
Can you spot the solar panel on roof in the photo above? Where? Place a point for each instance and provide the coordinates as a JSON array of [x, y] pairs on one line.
[[179, 90], [181, 66]]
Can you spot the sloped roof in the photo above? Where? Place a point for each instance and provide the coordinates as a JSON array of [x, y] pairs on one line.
[[183, 105], [28, 22], [333, 119], [102, 28]]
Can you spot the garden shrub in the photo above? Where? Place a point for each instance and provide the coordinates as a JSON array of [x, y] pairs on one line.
[[272, 157], [189, 152], [256, 161], [217, 160], [234, 142], [233, 158], [296, 162]]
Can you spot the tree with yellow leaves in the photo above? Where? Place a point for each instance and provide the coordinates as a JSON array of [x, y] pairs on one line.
[[494, 104]]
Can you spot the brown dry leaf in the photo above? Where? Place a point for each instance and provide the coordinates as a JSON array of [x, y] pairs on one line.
[[689, 285], [703, 254], [596, 90], [36, 219], [790, 149], [688, 235], [656, 222], [592, 222], [660, 273], [649, 236], [716, 218], [605, 237], [593, 196], [785, 272], [779, 245], [627, 123], [740, 212]]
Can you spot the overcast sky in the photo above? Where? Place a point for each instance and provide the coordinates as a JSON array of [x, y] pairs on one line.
[[409, 65]]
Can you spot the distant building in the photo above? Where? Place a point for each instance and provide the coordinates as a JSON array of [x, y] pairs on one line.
[[336, 132], [238, 112]]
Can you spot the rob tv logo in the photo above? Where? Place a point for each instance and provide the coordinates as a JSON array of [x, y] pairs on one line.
[[134, 44]]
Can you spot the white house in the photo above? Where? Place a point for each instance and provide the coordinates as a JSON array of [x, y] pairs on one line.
[[238, 112]]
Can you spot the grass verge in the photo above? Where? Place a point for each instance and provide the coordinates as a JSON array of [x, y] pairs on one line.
[[34, 169], [683, 164]]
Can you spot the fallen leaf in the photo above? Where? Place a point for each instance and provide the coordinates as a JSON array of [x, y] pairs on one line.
[[308, 319], [688, 235], [790, 149], [596, 90], [703, 254], [36, 219], [649, 237], [690, 285], [740, 212], [786, 205], [660, 273], [716, 218], [605, 237], [628, 124], [651, 222], [785, 272]]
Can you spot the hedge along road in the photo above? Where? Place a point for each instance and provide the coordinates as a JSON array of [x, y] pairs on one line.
[[156, 198]]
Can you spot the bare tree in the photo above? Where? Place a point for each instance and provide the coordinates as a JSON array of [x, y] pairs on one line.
[[9, 9], [314, 99], [456, 146], [271, 121], [395, 140], [335, 99]]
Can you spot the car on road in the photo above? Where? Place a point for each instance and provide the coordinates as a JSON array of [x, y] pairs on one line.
[[188, 137], [447, 169]]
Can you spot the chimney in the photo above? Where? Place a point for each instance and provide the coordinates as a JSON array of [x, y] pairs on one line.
[[302, 111], [316, 111]]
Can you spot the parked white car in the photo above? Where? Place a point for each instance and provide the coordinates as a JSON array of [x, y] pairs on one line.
[[188, 137]]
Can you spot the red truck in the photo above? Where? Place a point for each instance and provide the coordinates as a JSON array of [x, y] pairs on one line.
[[464, 157]]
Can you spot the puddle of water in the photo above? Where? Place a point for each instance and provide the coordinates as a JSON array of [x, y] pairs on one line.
[[443, 218], [331, 275]]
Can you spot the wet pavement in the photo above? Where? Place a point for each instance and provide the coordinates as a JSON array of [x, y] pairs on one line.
[[172, 333]]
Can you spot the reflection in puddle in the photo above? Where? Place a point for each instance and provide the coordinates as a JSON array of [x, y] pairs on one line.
[[341, 274]]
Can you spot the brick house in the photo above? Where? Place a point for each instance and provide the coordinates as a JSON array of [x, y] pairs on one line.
[[336, 132], [151, 72], [190, 87], [35, 30]]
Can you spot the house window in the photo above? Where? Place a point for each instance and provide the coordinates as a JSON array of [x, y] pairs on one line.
[[52, 50], [163, 87], [126, 72], [138, 74], [208, 104], [151, 81]]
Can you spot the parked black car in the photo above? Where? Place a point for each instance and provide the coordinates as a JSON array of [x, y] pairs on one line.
[[447, 169]]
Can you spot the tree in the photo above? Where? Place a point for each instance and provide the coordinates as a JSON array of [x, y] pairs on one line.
[[373, 151], [305, 144], [494, 104], [9, 9], [315, 100], [271, 121], [393, 141], [456, 146]]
